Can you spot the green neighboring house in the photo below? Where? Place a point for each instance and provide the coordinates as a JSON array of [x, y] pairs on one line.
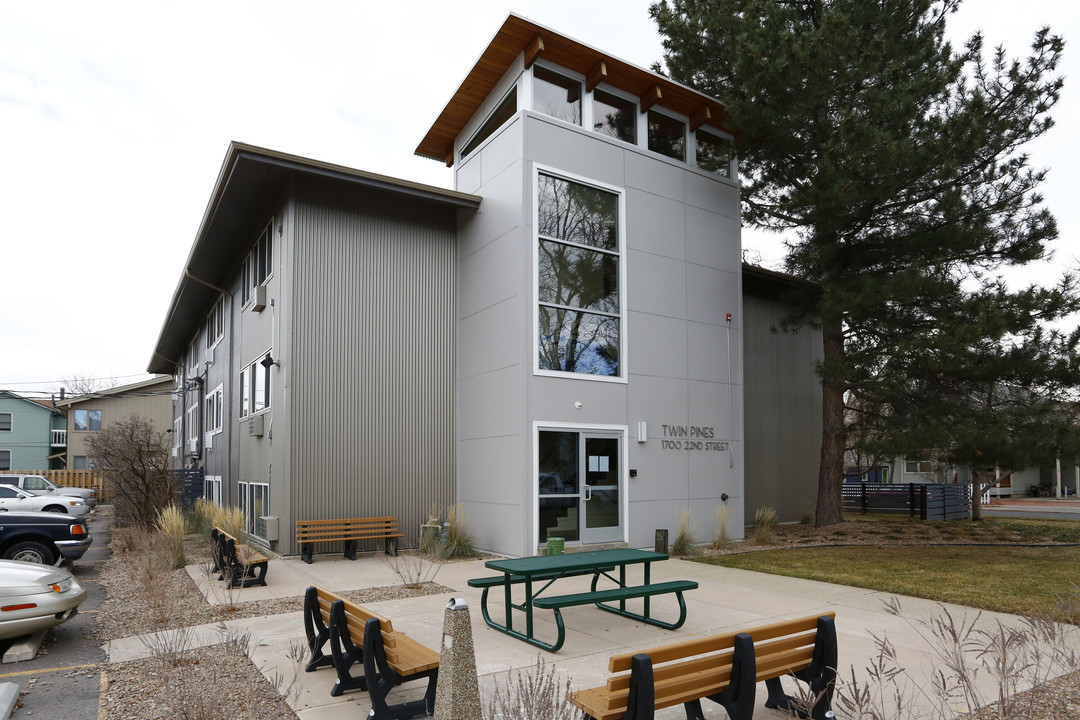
[[33, 434]]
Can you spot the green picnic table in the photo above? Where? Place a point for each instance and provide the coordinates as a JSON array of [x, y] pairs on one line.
[[546, 569]]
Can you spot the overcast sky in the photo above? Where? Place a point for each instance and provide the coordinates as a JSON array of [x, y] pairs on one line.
[[115, 119]]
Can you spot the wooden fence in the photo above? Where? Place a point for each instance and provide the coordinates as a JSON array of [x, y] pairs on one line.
[[75, 478], [928, 502]]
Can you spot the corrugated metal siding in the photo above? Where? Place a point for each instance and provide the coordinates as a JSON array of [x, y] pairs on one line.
[[782, 413], [372, 376]]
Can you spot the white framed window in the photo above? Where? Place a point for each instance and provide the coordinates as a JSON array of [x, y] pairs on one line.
[[579, 278], [255, 503], [666, 135], [212, 489], [255, 387], [193, 427], [614, 115], [5, 459], [258, 265], [556, 94], [505, 110], [177, 435], [6, 420], [215, 324], [214, 410], [713, 152]]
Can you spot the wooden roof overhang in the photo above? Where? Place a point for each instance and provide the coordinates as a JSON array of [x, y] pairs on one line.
[[519, 35]]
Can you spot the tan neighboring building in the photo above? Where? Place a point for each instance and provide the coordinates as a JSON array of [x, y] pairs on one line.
[[87, 414]]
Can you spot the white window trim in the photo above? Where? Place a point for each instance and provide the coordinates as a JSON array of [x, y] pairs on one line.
[[218, 395], [624, 371], [11, 421], [586, 95], [247, 284], [249, 369], [212, 343], [622, 431], [642, 125], [10, 455]]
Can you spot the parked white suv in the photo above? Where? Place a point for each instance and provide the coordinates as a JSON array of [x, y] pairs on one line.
[[39, 485]]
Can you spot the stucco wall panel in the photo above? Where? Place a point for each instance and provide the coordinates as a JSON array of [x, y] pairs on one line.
[[711, 241], [658, 346], [655, 284], [655, 224]]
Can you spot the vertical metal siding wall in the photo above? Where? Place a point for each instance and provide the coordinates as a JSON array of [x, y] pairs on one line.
[[782, 415], [372, 357]]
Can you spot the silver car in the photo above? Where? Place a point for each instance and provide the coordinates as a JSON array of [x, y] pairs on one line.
[[16, 500], [36, 597]]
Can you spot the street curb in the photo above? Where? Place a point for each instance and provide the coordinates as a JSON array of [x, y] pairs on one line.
[[9, 695]]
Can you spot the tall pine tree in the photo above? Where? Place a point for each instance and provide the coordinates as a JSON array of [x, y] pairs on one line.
[[894, 160]]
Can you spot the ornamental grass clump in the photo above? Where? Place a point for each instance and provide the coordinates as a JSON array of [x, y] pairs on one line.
[[720, 538], [173, 528], [764, 522], [684, 543]]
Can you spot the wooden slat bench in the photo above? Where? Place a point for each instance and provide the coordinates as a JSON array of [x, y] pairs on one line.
[[347, 530], [357, 634], [241, 565], [723, 668]]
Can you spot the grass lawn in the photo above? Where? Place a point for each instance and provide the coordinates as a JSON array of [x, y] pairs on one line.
[[1006, 577]]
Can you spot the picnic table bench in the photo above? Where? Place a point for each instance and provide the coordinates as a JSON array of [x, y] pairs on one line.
[[349, 531], [546, 569], [724, 668], [389, 657], [240, 564]]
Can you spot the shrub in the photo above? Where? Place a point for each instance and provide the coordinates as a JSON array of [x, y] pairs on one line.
[[135, 460], [538, 695]]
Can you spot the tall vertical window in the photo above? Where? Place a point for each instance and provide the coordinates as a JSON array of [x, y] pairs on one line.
[[254, 388], [255, 503], [214, 418], [667, 135], [193, 427], [258, 264], [556, 95], [713, 153], [88, 420], [5, 422], [5, 459], [578, 255], [215, 323], [615, 117]]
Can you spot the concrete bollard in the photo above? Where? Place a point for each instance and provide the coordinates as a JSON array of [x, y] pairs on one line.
[[458, 694]]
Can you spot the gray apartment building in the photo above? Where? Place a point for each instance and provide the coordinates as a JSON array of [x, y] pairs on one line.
[[561, 343]]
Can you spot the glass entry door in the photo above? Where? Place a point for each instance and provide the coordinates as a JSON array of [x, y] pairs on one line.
[[579, 483]]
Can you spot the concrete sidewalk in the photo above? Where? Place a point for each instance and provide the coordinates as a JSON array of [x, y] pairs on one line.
[[726, 600]]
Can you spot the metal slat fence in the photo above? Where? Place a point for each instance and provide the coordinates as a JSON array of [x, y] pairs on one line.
[[927, 501]]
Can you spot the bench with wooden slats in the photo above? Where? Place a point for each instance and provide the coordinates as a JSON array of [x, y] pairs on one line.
[[357, 634], [241, 565], [348, 531], [724, 668]]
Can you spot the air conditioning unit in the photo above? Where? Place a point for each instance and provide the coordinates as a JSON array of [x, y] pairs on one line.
[[255, 426], [259, 298], [192, 445], [210, 357], [208, 442]]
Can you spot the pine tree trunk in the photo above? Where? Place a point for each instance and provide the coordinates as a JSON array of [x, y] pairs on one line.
[[830, 509]]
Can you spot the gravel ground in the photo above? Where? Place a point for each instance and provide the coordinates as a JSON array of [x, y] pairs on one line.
[[213, 683], [222, 683]]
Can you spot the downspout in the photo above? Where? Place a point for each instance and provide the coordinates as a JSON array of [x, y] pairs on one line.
[[228, 416]]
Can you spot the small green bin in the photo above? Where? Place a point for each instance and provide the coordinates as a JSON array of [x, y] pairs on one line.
[[555, 545]]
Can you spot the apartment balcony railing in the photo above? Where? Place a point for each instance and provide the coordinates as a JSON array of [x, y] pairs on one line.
[[59, 438]]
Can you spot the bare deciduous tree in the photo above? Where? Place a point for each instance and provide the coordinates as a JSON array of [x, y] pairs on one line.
[[135, 458]]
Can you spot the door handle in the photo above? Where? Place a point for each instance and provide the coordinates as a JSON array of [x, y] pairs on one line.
[[588, 493]]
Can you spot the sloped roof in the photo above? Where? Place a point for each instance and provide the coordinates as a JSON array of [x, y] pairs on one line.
[[518, 35], [250, 177]]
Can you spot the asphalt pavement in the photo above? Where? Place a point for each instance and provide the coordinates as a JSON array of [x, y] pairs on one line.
[[64, 679]]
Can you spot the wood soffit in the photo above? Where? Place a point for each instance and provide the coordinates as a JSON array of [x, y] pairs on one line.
[[518, 35]]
